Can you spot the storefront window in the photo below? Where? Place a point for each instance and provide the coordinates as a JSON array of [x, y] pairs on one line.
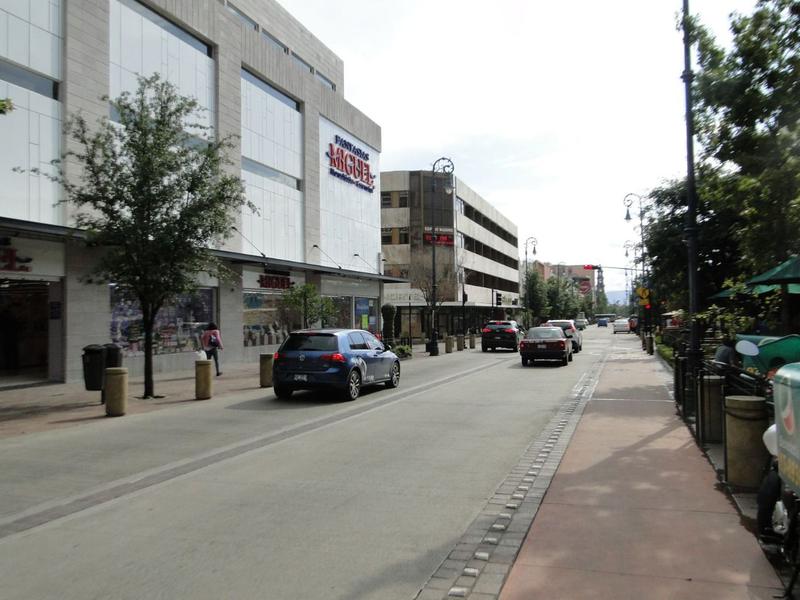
[[178, 326], [263, 325], [366, 314], [343, 315]]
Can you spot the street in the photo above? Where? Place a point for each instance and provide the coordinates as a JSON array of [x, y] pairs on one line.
[[248, 496]]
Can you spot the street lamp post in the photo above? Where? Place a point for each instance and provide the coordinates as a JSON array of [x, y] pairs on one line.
[[444, 166], [410, 337], [628, 200]]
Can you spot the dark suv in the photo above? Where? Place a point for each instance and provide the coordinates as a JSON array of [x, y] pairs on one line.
[[500, 334]]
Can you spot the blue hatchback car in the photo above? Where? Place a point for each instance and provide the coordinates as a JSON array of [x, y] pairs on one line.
[[343, 360]]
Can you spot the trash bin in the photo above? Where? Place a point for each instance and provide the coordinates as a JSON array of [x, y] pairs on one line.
[[113, 356], [94, 366]]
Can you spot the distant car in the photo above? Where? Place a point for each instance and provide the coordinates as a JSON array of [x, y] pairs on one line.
[[621, 326], [581, 324], [342, 360], [568, 325], [500, 334], [602, 322], [549, 343]]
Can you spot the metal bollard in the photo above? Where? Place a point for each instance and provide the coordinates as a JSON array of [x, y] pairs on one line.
[[460, 342], [202, 379], [712, 408], [472, 341], [745, 453], [116, 391], [265, 370], [448, 344]]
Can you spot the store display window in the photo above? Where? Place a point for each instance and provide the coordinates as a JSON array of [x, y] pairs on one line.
[[178, 325], [263, 323]]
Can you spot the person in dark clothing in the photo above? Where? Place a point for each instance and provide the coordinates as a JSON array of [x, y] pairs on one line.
[[726, 354], [212, 344]]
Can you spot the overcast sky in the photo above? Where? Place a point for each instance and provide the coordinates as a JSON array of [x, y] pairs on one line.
[[551, 111]]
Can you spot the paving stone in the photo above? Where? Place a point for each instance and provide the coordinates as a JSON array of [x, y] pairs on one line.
[[489, 583]]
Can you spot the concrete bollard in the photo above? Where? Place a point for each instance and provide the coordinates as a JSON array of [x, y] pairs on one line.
[[265, 370], [448, 344], [460, 342], [712, 408], [745, 422], [472, 341], [116, 391], [202, 379]]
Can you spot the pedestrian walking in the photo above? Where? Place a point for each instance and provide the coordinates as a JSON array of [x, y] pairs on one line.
[[212, 344]]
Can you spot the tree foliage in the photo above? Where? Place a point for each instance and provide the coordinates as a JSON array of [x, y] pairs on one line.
[[535, 295], [302, 306], [6, 105], [748, 121], [154, 195], [561, 298]]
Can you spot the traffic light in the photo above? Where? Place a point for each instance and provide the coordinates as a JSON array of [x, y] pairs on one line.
[[498, 299], [591, 267]]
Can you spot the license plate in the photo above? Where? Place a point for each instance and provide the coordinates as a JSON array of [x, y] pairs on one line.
[[498, 337], [301, 377], [542, 346]]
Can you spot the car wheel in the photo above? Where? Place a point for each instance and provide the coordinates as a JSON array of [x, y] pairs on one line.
[[565, 360], [353, 388], [524, 362], [282, 392], [394, 376]]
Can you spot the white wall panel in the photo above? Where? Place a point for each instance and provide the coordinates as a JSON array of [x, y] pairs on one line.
[[31, 139], [272, 132], [30, 34], [141, 47], [277, 230], [350, 217]]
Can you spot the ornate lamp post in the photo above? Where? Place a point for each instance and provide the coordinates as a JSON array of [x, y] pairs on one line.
[[444, 166], [628, 200]]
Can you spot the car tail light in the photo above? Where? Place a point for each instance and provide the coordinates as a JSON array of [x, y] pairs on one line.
[[509, 330], [563, 344], [277, 356], [486, 330], [339, 358]]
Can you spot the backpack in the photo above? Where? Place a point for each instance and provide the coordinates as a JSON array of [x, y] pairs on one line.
[[213, 341]]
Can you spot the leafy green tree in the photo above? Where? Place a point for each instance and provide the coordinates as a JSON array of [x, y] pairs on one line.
[[535, 295], [302, 306], [154, 195], [748, 120], [6, 105], [561, 298]]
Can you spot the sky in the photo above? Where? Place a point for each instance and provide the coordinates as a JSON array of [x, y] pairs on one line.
[[551, 111]]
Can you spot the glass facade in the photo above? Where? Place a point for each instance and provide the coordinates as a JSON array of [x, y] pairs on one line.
[[263, 322], [178, 325]]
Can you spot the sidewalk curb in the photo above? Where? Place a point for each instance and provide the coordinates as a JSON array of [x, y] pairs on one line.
[[478, 564]]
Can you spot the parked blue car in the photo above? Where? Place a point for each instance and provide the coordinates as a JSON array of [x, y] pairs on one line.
[[342, 360]]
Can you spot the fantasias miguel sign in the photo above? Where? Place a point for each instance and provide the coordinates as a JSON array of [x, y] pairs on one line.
[[350, 163]]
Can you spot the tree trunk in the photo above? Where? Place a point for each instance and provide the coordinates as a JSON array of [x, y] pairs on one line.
[[147, 322]]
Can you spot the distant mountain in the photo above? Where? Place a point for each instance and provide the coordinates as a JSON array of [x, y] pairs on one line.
[[616, 297]]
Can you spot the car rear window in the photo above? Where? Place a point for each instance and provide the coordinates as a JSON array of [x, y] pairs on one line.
[[321, 342], [547, 333]]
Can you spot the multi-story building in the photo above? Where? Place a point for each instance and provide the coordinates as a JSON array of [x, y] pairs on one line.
[[309, 159], [477, 260]]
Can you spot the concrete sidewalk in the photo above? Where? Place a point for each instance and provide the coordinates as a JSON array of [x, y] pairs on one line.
[[51, 406], [634, 510]]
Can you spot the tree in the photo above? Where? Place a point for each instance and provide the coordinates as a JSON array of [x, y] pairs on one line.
[[536, 295], [748, 120], [6, 105], [153, 195], [302, 306], [420, 277], [562, 298]]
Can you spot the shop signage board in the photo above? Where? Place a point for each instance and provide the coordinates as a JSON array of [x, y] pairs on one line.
[[787, 409], [23, 258], [350, 163]]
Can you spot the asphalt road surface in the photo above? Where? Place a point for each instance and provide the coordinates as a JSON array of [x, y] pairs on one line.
[[254, 497]]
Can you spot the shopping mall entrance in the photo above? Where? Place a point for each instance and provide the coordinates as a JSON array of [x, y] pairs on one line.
[[23, 331]]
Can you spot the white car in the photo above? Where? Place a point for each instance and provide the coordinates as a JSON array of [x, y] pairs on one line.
[[621, 325]]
